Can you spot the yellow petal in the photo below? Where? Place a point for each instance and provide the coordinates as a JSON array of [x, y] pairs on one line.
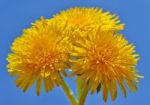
[[38, 85], [105, 93], [132, 86]]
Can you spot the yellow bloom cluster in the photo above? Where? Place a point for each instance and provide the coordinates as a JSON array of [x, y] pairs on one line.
[[85, 40]]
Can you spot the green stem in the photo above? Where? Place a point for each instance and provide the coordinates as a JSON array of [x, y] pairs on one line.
[[83, 95], [79, 87], [68, 92]]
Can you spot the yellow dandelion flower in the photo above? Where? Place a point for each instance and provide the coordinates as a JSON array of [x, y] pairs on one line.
[[40, 54], [104, 60], [86, 19]]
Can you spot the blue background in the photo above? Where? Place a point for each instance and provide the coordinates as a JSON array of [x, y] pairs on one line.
[[15, 15]]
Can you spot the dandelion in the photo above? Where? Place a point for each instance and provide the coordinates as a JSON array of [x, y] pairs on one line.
[[86, 41], [39, 55], [87, 19], [104, 60]]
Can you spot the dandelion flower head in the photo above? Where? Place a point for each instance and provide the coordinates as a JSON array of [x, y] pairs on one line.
[[86, 19], [39, 55], [104, 60]]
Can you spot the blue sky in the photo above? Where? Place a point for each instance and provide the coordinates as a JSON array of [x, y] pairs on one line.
[[15, 15]]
